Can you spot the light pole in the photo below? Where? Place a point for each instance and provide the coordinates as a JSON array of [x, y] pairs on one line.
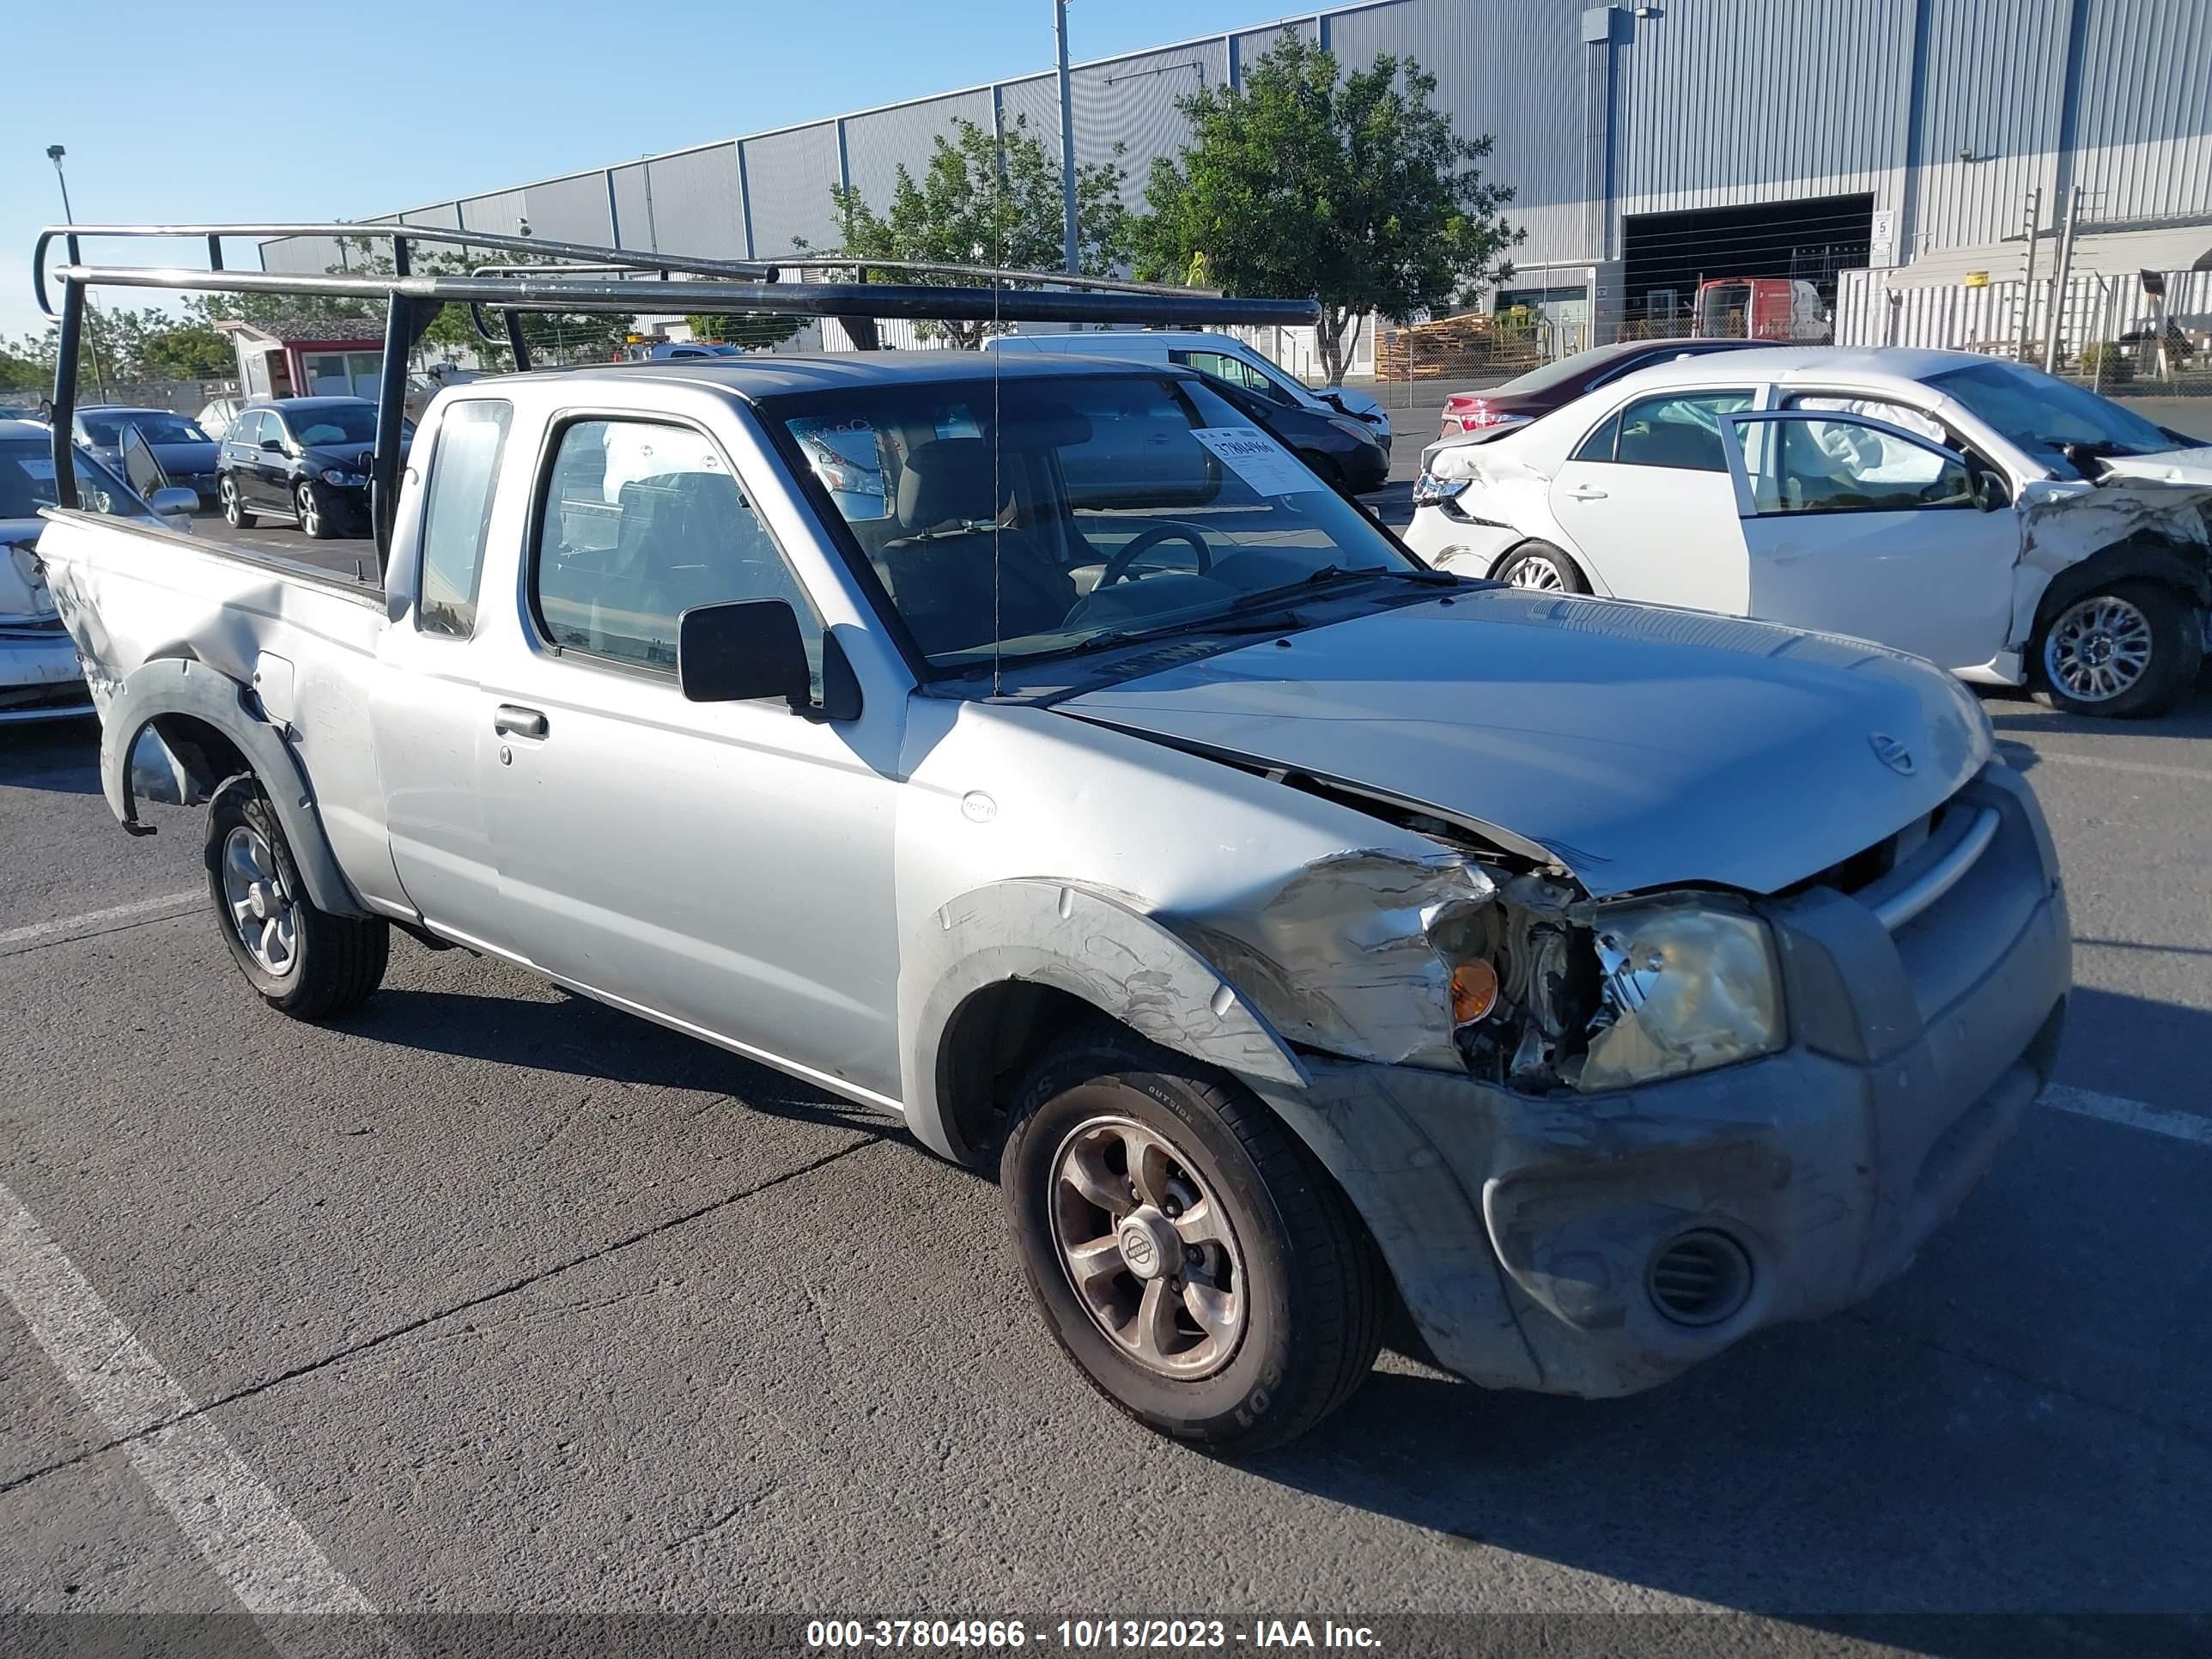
[[54, 154], [1067, 136]]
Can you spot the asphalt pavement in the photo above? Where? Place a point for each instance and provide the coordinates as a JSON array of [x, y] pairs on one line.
[[488, 1298]]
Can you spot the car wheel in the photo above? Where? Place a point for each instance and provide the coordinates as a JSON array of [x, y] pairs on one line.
[[2126, 651], [315, 514], [1541, 566], [1190, 1256], [303, 961], [233, 506], [1323, 467]]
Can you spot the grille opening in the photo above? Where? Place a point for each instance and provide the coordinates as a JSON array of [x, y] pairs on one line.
[[1700, 1278]]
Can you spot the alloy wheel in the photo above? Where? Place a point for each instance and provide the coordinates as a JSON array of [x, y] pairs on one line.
[[311, 511], [1151, 1254], [2098, 649], [262, 908], [1535, 571]]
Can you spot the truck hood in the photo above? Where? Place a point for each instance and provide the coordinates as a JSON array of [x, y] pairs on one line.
[[1639, 746]]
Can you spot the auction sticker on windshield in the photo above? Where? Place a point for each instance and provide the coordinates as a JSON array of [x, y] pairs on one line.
[[1258, 459]]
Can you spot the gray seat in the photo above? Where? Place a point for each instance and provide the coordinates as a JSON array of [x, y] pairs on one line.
[[959, 578]]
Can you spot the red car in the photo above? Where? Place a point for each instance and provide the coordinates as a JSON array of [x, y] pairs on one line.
[[1556, 384]]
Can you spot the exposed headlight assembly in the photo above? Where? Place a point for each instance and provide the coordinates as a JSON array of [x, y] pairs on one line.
[[1684, 987]]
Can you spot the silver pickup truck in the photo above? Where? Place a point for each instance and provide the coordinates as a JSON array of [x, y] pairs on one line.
[[1032, 748]]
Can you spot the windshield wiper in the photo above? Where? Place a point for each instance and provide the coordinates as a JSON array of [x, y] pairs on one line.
[[1218, 623]]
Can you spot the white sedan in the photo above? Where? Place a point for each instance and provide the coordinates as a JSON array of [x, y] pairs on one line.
[[2005, 524]]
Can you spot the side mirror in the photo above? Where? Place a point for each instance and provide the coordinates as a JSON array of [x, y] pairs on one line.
[[174, 503], [739, 652], [274, 445], [1990, 491]]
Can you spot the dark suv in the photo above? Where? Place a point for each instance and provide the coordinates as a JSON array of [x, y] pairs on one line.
[[305, 459]]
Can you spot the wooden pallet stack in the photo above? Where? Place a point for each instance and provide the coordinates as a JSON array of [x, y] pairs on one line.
[[1451, 348]]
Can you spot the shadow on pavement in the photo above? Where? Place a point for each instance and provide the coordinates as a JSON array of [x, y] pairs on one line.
[[62, 758]]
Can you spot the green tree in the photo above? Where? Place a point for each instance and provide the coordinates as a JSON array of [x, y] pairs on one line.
[[748, 328], [187, 352], [22, 373], [986, 200], [1352, 188]]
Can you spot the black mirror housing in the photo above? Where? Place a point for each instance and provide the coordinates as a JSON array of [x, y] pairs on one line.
[[739, 652], [1990, 491]]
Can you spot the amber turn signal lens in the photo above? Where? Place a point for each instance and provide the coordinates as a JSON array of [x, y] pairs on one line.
[[1473, 991]]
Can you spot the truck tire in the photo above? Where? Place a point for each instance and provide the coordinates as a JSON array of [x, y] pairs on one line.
[[303, 961], [314, 512], [1188, 1252], [234, 504], [2128, 651], [1542, 568]]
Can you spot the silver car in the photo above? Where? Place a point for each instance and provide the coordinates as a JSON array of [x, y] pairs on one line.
[[1298, 933]]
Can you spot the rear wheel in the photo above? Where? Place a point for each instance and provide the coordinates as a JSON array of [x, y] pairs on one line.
[[315, 512], [1200, 1269], [234, 504], [303, 961], [2127, 652], [1541, 566]]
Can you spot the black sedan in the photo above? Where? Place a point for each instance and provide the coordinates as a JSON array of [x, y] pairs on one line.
[[186, 454], [304, 459], [1340, 447]]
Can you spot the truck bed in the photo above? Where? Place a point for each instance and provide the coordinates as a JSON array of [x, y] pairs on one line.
[[304, 640]]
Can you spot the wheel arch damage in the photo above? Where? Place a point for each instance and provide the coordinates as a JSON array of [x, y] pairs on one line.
[[175, 729], [2073, 545]]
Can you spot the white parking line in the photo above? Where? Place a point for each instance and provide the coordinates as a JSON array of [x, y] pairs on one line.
[[268, 1558], [37, 932], [2132, 1113]]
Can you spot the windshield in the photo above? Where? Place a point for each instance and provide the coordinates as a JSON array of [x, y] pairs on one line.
[[2042, 414], [156, 427], [334, 424], [1051, 515], [27, 483]]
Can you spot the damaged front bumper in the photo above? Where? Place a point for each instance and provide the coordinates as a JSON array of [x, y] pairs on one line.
[[1597, 1244]]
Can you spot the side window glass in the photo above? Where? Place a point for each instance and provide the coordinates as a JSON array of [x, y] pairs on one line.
[[246, 429], [1598, 446], [640, 523], [1810, 465], [456, 513], [1680, 430]]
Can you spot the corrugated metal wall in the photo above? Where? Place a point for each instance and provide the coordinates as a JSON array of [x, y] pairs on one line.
[[789, 174], [881, 141], [2145, 133], [1723, 103], [2009, 123], [1712, 103]]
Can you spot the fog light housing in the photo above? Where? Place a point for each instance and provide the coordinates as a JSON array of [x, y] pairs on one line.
[[1700, 1278]]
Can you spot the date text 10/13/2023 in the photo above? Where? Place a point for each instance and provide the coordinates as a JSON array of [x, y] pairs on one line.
[[1087, 1634]]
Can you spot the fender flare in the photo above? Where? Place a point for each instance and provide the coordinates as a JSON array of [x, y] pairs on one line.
[[1095, 945], [181, 685]]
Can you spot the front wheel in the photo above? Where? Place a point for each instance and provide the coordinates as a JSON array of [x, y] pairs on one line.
[[2127, 652], [1201, 1269], [314, 515], [303, 961], [234, 504]]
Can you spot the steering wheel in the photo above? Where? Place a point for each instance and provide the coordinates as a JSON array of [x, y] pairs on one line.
[[1145, 542]]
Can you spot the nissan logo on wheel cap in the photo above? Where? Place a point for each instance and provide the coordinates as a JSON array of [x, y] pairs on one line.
[[1892, 753]]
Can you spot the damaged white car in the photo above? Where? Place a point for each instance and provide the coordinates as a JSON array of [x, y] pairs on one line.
[[2002, 523]]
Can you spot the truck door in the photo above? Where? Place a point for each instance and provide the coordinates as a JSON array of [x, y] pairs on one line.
[[726, 865], [430, 714], [1856, 526]]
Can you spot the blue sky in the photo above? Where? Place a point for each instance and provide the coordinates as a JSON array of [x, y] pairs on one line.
[[365, 109]]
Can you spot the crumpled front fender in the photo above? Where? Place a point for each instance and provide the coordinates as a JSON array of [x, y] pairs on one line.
[[1091, 943]]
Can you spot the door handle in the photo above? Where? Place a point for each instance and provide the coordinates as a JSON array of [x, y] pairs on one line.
[[1586, 493], [516, 722]]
